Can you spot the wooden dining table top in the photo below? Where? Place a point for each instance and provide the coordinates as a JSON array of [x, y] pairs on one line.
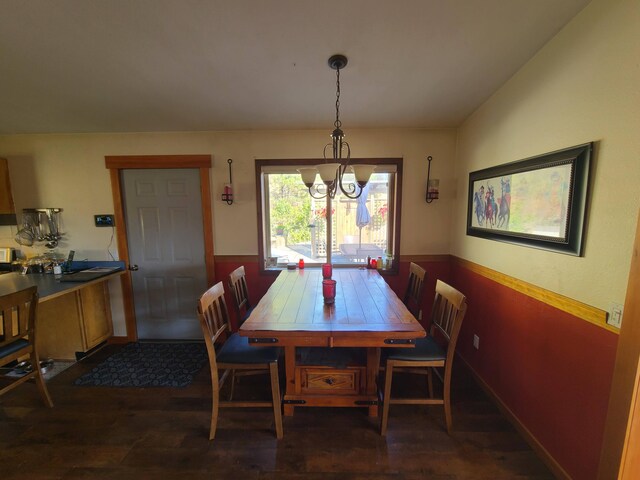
[[366, 310]]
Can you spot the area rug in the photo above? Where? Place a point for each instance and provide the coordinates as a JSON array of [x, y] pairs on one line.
[[148, 365]]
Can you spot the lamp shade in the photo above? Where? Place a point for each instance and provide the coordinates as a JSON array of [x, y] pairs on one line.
[[327, 172], [362, 173], [308, 175]]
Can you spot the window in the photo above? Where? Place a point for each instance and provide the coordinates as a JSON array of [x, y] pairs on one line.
[[293, 225]]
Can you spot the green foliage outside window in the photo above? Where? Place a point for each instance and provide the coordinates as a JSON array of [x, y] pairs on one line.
[[290, 210]]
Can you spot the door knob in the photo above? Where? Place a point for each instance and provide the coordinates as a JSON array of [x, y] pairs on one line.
[[133, 268]]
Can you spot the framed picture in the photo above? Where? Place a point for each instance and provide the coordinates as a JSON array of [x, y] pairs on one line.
[[272, 262], [538, 202]]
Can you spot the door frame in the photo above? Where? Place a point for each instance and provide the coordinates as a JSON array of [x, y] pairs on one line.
[[115, 164], [619, 456]]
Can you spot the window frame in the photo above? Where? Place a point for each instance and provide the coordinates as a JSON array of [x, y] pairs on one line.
[[395, 200]]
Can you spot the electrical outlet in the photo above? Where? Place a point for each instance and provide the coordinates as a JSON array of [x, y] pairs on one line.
[[476, 342], [614, 318]]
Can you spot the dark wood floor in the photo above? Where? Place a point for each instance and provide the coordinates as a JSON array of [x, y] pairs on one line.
[[160, 433]]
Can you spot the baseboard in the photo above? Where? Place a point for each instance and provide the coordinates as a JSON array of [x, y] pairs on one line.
[[118, 340], [533, 442]]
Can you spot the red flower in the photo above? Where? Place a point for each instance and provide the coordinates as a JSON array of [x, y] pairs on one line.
[[322, 212]]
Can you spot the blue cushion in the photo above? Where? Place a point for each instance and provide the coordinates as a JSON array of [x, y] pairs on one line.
[[426, 350], [237, 350], [13, 347]]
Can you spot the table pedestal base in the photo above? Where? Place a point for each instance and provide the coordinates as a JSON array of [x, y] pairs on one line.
[[329, 386]]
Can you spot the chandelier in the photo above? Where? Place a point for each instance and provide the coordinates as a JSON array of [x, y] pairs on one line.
[[332, 172]]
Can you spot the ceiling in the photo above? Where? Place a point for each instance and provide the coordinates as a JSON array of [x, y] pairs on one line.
[[196, 65]]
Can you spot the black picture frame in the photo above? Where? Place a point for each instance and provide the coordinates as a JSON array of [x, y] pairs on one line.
[[537, 202]]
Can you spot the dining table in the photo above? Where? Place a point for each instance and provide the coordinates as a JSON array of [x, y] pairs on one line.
[[331, 350]]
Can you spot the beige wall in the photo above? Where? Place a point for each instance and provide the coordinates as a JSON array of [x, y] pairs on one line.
[[67, 171], [582, 86]]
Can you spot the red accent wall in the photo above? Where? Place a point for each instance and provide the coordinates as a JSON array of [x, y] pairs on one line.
[[435, 270], [550, 368]]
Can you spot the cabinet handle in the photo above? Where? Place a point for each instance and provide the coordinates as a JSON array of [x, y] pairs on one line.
[[329, 381]]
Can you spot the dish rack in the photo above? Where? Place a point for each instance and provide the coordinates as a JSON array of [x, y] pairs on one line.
[[40, 225]]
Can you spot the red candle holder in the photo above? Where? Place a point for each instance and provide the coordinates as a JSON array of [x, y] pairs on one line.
[[329, 291], [327, 271]]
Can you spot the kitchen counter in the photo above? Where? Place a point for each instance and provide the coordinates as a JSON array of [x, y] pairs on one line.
[[73, 317], [49, 285]]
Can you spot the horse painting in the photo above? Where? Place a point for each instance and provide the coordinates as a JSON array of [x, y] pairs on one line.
[[478, 202], [490, 208], [504, 211]]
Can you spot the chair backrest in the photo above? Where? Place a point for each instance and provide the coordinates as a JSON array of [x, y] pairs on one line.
[[17, 320], [415, 290], [238, 286], [213, 316], [449, 308]]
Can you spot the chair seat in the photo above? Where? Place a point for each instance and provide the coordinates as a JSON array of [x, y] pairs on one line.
[[426, 350], [236, 349], [13, 347]]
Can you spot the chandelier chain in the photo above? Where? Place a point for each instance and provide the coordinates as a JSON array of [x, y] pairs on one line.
[[332, 180], [337, 123]]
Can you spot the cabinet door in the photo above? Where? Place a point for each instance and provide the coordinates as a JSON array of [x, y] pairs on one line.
[[58, 328], [96, 314], [6, 199]]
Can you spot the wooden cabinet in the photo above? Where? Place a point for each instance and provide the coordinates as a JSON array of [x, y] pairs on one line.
[[7, 208], [74, 323], [96, 314]]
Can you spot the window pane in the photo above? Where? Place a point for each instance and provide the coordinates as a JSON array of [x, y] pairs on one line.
[[361, 226], [288, 226], [296, 222]]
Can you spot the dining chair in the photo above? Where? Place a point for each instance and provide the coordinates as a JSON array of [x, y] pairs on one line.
[[415, 290], [243, 308], [449, 308], [238, 286], [234, 354], [18, 337]]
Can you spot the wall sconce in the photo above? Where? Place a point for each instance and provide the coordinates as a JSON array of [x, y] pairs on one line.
[[227, 196], [432, 184]]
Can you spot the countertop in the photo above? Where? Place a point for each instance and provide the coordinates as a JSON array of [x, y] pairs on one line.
[[49, 285]]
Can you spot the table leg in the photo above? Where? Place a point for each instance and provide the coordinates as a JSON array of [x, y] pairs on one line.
[[373, 367], [290, 374]]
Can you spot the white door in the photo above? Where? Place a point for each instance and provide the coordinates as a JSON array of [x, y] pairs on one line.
[[163, 213]]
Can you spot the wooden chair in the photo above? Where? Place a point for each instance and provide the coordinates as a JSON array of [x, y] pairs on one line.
[[449, 308], [415, 289], [18, 337], [238, 286], [234, 354], [243, 308]]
